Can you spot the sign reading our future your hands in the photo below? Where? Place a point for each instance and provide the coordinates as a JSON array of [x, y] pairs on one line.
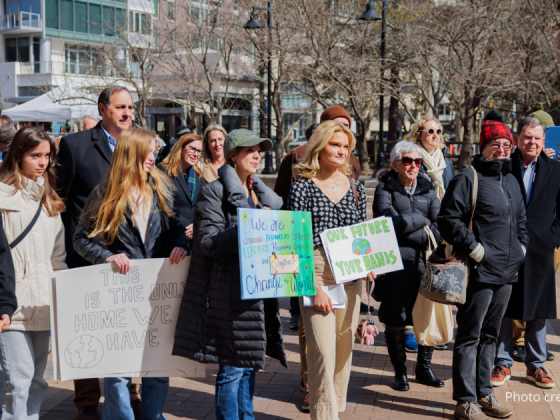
[[355, 250], [275, 253]]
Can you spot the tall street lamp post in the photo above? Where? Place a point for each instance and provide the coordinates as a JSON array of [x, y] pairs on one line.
[[371, 15], [255, 23]]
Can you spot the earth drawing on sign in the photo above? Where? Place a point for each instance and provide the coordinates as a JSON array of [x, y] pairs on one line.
[[84, 352], [361, 246]]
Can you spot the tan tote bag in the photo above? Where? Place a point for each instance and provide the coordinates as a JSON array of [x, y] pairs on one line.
[[433, 322]]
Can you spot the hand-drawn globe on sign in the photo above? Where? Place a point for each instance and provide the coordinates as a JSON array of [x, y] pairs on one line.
[[361, 246], [84, 352]]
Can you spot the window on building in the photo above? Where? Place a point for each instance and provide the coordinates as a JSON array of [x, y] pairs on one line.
[[81, 17], [32, 90], [82, 59], [170, 10], [25, 5], [156, 9], [95, 19], [146, 23], [51, 13], [120, 16], [23, 50], [36, 6], [156, 38], [108, 21], [11, 49], [36, 51], [66, 15]]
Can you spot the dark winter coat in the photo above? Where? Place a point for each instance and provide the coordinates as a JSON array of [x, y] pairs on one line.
[[183, 206], [448, 172], [83, 159], [534, 296], [8, 300], [163, 234], [499, 221], [397, 291], [215, 325]]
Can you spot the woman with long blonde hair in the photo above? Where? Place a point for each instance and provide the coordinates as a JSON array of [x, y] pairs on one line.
[[130, 212], [327, 190], [213, 157], [30, 211], [181, 165]]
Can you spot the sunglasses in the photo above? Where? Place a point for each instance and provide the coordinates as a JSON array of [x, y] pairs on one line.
[[407, 161], [431, 131]]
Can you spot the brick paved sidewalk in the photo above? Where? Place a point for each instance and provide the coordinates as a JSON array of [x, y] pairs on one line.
[[370, 396]]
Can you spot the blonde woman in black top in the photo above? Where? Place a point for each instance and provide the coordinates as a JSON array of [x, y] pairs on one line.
[[326, 190]]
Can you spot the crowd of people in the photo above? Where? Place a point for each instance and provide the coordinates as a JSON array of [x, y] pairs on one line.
[[103, 196]]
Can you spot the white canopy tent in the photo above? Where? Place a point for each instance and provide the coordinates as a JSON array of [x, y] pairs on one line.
[[61, 104]]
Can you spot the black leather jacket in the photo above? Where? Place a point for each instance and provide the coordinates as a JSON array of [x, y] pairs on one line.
[[164, 233]]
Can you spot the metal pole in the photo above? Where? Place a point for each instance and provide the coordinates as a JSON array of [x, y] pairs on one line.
[[268, 168], [380, 149]]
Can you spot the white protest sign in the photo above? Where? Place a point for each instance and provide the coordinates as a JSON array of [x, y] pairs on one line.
[[355, 250], [105, 323]]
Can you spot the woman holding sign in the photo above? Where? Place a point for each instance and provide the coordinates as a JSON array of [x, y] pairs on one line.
[[130, 211], [327, 191], [215, 325], [412, 203], [30, 210]]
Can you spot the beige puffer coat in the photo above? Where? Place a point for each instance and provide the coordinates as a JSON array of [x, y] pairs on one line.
[[41, 252]]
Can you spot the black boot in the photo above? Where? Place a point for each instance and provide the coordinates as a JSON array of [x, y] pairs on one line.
[[395, 346], [424, 372], [401, 380]]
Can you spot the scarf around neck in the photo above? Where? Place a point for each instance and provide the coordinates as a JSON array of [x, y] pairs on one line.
[[435, 165]]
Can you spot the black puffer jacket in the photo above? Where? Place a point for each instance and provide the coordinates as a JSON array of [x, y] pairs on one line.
[[163, 234], [499, 222], [397, 291], [215, 325]]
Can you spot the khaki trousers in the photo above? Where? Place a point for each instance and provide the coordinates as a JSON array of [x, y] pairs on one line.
[[330, 338], [302, 353]]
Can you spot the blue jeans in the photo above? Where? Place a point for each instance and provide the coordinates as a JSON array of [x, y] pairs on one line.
[[535, 344], [117, 398], [235, 388], [24, 358]]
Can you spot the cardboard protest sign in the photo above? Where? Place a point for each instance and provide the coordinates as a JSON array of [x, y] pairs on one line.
[[104, 323], [275, 253], [353, 251]]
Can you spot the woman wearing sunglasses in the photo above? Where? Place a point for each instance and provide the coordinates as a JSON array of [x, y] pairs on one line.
[[496, 245], [182, 167], [427, 133], [412, 203]]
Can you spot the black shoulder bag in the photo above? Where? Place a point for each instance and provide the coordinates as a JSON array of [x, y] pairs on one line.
[[23, 234]]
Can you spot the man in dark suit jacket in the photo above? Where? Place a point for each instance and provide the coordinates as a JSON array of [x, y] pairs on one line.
[[533, 297], [83, 160]]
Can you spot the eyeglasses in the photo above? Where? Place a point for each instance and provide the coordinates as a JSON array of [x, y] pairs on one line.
[[431, 131], [498, 146], [193, 151], [407, 161]]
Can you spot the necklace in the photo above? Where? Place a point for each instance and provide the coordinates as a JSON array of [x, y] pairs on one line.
[[332, 185]]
